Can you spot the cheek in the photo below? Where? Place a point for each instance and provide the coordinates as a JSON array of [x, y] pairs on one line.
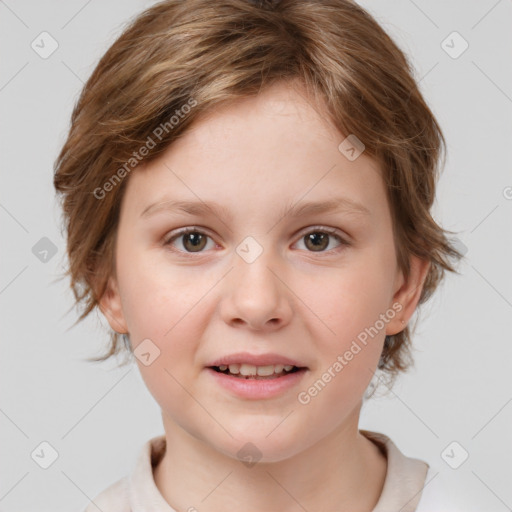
[[349, 342], [162, 305], [354, 306], [353, 298], [155, 295], [172, 321]]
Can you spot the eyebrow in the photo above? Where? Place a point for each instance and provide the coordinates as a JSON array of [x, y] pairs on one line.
[[335, 205]]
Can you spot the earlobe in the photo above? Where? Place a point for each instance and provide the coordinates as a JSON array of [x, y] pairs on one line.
[[111, 307], [408, 294]]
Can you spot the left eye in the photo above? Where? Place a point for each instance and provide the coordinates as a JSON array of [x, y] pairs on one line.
[[193, 241], [319, 239]]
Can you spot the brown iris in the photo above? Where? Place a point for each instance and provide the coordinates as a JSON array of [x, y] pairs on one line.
[[317, 241], [194, 241]]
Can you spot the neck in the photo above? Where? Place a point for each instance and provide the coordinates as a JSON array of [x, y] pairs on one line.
[[345, 471]]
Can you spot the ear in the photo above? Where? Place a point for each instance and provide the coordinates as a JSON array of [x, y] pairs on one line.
[[407, 294], [111, 307]]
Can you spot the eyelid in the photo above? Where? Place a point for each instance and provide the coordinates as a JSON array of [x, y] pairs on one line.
[[326, 229], [183, 231]]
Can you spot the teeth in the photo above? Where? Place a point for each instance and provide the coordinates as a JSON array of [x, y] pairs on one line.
[[264, 371], [248, 370], [234, 368]]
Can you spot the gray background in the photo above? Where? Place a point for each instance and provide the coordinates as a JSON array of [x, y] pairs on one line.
[[97, 417]]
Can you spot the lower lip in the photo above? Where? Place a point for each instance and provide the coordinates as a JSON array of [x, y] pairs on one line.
[[257, 389]]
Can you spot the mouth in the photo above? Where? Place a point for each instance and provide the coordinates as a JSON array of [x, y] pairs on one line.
[[251, 372]]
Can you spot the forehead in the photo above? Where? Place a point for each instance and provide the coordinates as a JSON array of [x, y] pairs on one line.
[[283, 113], [270, 149]]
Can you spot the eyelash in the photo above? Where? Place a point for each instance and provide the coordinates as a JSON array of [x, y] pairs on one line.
[[315, 229]]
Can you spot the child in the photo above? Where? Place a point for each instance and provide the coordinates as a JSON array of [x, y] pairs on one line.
[[288, 144]]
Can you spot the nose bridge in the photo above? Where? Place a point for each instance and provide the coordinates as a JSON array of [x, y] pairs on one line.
[[252, 262], [255, 295]]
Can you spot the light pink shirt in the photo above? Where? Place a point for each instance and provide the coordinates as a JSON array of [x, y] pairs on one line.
[[403, 487]]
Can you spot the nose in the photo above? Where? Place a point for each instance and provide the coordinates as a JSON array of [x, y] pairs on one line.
[[255, 295]]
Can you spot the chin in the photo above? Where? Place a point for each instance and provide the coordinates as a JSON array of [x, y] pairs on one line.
[[257, 447]]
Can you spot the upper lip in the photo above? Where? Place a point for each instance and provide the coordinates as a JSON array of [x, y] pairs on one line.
[[255, 359]]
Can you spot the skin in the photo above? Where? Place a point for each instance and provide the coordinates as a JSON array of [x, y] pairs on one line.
[[254, 157]]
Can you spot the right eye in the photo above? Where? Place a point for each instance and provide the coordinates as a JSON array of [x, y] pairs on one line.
[[191, 239]]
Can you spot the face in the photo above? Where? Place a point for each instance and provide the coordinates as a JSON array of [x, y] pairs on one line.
[[257, 275]]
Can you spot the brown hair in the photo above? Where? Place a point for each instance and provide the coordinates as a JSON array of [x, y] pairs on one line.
[[204, 54]]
